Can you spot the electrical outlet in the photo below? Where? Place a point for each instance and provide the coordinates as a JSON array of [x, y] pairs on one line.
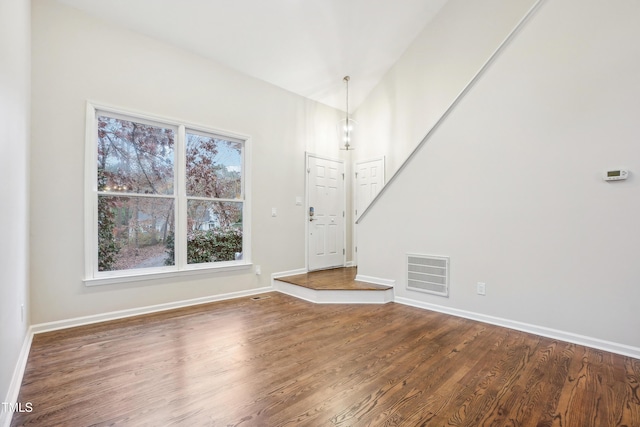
[[274, 212], [22, 313], [481, 288], [258, 270]]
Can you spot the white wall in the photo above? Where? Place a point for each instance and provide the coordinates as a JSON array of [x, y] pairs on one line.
[[428, 77], [14, 152], [510, 185], [78, 58], [445, 56]]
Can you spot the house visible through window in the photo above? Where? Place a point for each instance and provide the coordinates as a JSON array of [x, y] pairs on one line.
[[165, 197], [214, 188]]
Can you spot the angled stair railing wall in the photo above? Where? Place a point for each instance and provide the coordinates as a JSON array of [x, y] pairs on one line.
[[453, 104]]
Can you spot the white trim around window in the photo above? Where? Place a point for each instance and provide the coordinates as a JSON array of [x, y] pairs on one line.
[[177, 196]]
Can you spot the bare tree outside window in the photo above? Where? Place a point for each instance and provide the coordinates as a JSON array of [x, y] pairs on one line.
[[213, 183], [137, 195], [135, 160]]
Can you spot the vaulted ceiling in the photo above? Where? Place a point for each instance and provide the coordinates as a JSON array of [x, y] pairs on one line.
[[303, 46]]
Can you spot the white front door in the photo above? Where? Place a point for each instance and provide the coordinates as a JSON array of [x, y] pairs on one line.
[[325, 213], [369, 182]]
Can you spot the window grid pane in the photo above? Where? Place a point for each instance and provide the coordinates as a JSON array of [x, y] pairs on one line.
[[214, 231], [134, 232], [213, 167], [135, 157], [139, 184]]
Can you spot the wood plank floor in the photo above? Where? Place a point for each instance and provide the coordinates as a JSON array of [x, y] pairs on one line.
[[338, 279], [280, 361]]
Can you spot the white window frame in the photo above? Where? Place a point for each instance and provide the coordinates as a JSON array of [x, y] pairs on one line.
[[94, 277]]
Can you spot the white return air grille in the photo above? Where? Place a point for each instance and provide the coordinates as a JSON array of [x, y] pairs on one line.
[[430, 274]]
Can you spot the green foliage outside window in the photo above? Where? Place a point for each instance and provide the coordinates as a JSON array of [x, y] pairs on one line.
[[216, 245], [108, 247], [137, 195]]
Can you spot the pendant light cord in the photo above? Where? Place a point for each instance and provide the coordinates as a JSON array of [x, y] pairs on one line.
[[346, 122]]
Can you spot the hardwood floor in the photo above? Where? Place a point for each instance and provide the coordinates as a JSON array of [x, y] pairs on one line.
[[342, 279], [280, 361]]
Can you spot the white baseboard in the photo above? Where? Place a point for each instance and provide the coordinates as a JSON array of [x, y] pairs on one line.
[[16, 379], [597, 343], [288, 273], [87, 320], [375, 280]]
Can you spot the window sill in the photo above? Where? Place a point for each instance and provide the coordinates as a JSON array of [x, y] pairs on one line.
[[143, 276]]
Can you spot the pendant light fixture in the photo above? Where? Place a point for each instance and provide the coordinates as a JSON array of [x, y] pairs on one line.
[[346, 126]]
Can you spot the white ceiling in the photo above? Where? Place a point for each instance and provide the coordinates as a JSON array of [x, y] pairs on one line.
[[304, 46]]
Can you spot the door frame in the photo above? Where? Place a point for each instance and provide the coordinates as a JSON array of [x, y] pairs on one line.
[[354, 190], [307, 171]]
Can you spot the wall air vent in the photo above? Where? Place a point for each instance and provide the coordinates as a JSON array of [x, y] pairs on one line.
[[430, 274]]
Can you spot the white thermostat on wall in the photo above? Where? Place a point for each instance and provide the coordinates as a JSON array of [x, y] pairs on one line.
[[615, 175]]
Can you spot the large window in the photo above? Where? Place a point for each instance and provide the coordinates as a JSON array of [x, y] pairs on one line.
[[162, 197]]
